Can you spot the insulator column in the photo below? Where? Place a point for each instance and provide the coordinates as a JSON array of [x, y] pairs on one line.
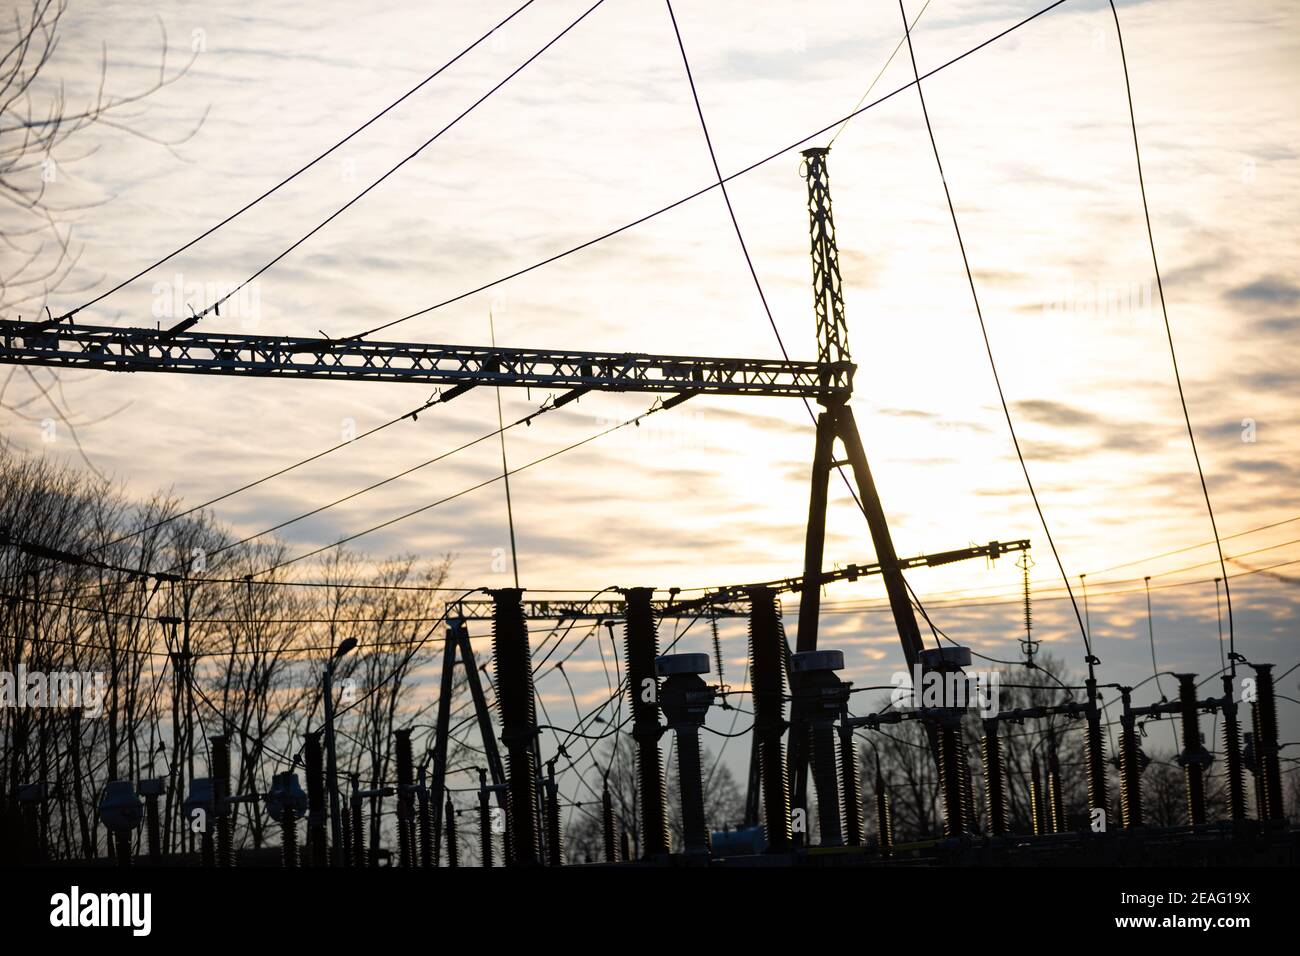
[[1130, 765], [1095, 754], [518, 709], [314, 766], [1194, 757], [852, 787], [220, 797], [767, 678], [641, 647], [995, 784], [357, 831], [1037, 809], [554, 848], [405, 803], [607, 825], [822, 696], [425, 811], [453, 855], [685, 700], [952, 780], [1266, 743], [152, 789], [484, 820], [1232, 753], [884, 815]]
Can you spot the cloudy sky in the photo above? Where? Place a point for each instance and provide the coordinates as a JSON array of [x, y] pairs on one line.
[[600, 130]]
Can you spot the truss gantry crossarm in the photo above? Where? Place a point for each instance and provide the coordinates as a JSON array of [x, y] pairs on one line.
[[273, 356], [732, 596], [478, 609]]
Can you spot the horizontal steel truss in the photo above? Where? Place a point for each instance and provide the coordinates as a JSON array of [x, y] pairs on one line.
[[479, 609], [215, 353]]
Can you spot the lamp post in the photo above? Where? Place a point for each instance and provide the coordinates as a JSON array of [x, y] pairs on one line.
[[331, 756]]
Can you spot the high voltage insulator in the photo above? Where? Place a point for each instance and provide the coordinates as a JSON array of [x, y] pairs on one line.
[[1232, 752], [1130, 765], [314, 763], [1055, 797], [1095, 754], [405, 799], [1194, 758], [357, 828], [641, 647], [607, 825], [220, 796], [822, 696], [767, 679], [518, 708], [851, 784], [953, 767], [121, 812], [554, 846], [453, 856], [952, 780], [717, 648], [995, 785], [484, 819], [1037, 811], [1250, 758], [151, 789], [425, 810], [199, 809], [1266, 743], [1028, 644], [685, 700], [884, 814], [285, 803]]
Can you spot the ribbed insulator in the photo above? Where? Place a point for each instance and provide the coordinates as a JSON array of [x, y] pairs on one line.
[[884, 818], [641, 647], [952, 781], [1266, 742], [518, 709], [314, 766], [358, 835], [453, 855], [1193, 769], [995, 782], [607, 826], [554, 836], [425, 810], [826, 778], [690, 781], [1130, 777], [852, 787], [1235, 773], [1055, 802], [767, 678], [485, 829], [1037, 809], [1094, 750], [405, 817], [220, 791], [289, 840]]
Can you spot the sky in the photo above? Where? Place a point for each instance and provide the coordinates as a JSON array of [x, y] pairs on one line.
[[600, 130]]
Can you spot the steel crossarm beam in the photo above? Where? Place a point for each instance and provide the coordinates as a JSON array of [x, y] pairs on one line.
[[217, 353]]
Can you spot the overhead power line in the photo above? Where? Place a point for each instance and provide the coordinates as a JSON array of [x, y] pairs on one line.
[[979, 312], [1169, 334], [709, 188], [300, 170]]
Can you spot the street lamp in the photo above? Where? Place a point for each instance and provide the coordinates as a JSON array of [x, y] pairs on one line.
[[331, 757]]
